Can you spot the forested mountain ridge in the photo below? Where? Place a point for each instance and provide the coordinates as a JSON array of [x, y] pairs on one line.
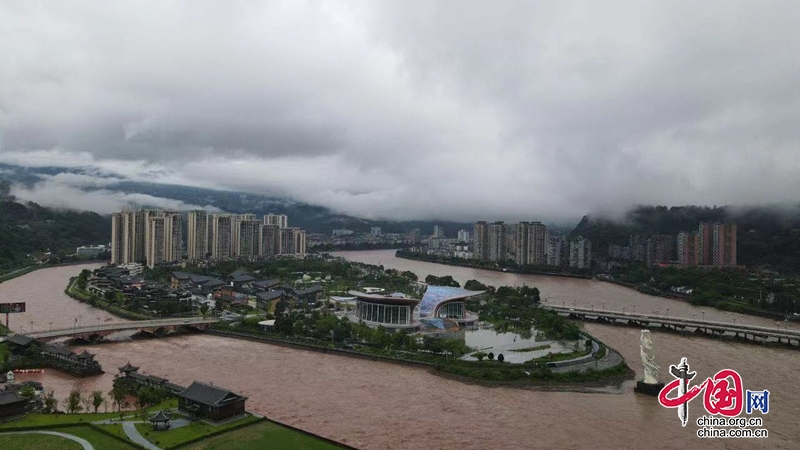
[[27, 228]]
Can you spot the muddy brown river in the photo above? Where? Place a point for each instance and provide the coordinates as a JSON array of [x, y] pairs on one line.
[[374, 405]]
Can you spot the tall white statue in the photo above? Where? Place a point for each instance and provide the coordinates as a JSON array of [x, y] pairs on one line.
[[648, 359]]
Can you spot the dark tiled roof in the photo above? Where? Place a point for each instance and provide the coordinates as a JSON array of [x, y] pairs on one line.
[[266, 284], [20, 339], [160, 417], [311, 290], [56, 349], [243, 278], [10, 397], [208, 395], [213, 283], [128, 368], [239, 273], [269, 295], [85, 355]]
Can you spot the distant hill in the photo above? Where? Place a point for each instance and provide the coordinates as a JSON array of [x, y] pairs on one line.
[[315, 219], [27, 228], [767, 236]]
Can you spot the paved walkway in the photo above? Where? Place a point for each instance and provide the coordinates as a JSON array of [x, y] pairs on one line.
[[86, 444], [611, 359], [133, 434]]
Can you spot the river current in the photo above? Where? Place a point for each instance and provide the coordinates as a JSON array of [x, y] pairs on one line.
[[375, 405]]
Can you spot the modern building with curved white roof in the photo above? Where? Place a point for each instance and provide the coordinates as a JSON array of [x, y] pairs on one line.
[[399, 311]]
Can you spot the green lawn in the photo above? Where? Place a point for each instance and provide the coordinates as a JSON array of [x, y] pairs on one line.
[[531, 349], [115, 429], [98, 439], [264, 435], [44, 420], [173, 437], [37, 442]]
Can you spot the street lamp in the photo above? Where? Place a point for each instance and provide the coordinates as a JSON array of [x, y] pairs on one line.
[[704, 315], [667, 311], [51, 326], [31, 326], [634, 309]]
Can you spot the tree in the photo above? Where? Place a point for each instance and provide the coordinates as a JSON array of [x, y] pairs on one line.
[[97, 400], [500, 357], [50, 402], [490, 356], [117, 397], [74, 401], [86, 402], [204, 309], [410, 275], [27, 392], [474, 285]]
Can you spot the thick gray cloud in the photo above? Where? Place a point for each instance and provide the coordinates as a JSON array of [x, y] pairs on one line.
[[414, 109]]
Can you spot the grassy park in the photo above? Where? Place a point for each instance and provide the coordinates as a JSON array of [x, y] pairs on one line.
[[265, 434], [248, 432], [176, 436], [37, 442]]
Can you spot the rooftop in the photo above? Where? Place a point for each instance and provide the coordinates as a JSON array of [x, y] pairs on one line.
[[207, 394]]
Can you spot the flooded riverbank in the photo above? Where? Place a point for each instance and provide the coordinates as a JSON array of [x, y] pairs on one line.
[[374, 405]]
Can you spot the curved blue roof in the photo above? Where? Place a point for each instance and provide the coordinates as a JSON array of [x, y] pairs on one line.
[[435, 295]]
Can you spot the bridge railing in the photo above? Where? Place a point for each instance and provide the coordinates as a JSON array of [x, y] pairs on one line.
[[133, 325], [679, 320]]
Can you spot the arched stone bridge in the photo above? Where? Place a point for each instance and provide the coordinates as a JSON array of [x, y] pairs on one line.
[[96, 333]]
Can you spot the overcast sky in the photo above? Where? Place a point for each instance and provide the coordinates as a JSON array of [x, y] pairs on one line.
[[412, 109]]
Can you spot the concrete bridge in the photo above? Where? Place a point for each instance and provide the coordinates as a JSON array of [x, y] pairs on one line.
[[96, 333], [704, 327]]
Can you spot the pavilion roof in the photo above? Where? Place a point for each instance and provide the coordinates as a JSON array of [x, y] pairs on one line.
[[160, 417], [128, 368]]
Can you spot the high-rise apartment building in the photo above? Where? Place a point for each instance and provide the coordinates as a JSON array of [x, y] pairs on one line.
[[117, 238], [293, 241], [164, 237], [554, 251], [156, 240], [705, 241], [281, 220], [127, 237], [269, 241], [530, 244], [580, 253], [497, 241], [463, 235], [438, 231], [660, 248], [716, 244], [638, 245], [249, 238], [375, 231], [723, 247], [222, 225], [619, 252], [480, 234], [197, 232], [415, 236], [686, 248]]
